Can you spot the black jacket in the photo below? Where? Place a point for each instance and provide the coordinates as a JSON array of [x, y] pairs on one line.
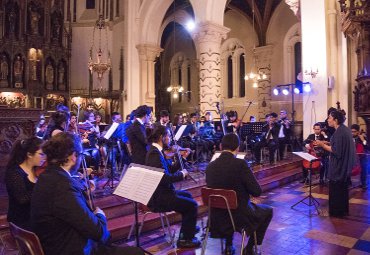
[[61, 217], [138, 142], [165, 188], [274, 131], [228, 172]]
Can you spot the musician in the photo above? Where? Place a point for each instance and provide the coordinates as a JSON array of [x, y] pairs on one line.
[[90, 134], [41, 127], [232, 123], [308, 143], [361, 147], [284, 132], [329, 131], [342, 160], [166, 198], [252, 119], [57, 124], [137, 134], [72, 128], [164, 119], [270, 138], [229, 172], [60, 214]]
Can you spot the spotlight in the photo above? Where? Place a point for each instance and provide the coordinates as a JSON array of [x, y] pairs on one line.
[[285, 92], [296, 90], [275, 91], [190, 25], [307, 88]]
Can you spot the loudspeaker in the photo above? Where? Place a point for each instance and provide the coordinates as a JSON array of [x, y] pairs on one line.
[[331, 82]]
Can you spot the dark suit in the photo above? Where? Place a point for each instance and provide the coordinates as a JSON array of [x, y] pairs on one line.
[[284, 139], [228, 172], [138, 141], [270, 138], [62, 219], [166, 198]]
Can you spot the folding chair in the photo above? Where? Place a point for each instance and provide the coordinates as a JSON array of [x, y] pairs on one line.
[[27, 241]]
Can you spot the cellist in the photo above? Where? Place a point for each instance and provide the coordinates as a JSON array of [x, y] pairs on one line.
[[318, 134]]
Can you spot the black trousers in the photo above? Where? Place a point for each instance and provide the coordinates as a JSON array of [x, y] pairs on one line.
[[271, 144], [183, 203], [282, 142], [338, 198]]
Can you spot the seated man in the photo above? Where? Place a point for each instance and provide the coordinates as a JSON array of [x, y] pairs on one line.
[[166, 198], [60, 214], [229, 172], [318, 134], [361, 148]]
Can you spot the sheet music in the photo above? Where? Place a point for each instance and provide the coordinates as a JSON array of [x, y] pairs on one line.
[[305, 155], [180, 132], [138, 184], [218, 153], [111, 130]]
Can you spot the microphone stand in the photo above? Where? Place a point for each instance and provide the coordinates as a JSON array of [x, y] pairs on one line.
[[246, 110]]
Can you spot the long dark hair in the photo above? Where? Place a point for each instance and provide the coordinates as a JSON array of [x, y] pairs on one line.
[[156, 133], [21, 148]]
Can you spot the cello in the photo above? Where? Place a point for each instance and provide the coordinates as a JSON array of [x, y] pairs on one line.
[[314, 166]]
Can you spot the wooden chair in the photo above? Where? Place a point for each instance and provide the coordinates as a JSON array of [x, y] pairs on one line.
[[222, 199], [27, 241]]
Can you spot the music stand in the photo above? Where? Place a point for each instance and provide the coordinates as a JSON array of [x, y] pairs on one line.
[[138, 185], [113, 160], [311, 200]]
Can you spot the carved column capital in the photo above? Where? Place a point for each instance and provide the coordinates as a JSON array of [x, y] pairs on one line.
[[148, 52], [210, 32]]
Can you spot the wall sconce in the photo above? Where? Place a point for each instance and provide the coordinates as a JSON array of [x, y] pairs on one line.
[[312, 73]]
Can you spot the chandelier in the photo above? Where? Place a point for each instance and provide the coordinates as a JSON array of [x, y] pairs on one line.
[[175, 90], [256, 74], [99, 65]]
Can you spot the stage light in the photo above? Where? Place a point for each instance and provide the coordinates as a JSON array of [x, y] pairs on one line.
[[285, 92], [275, 91], [190, 25], [296, 90], [307, 88]]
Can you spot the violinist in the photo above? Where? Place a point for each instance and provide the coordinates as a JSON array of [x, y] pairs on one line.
[[57, 124], [233, 123], [73, 129], [270, 139], [361, 148], [284, 132], [164, 119], [41, 127], [318, 134]]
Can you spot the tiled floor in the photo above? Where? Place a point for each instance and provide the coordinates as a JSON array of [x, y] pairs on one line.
[[297, 231]]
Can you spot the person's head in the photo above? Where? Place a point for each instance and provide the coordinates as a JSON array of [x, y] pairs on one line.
[[160, 135], [230, 142], [273, 117], [89, 116], [165, 116], [335, 118], [42, 119], [185, 117], [317, 129], [283, 114], [252, 119], [193, 117], [202, 119], [98, 117], [28, 150], [355, 130], [73, 119], [64, 150], [267, 117], [59, 118], [177, 120], [128, 117], [62, 108], [116, 117], [232, 115], [208, 116], [143, 112], [331, 109]]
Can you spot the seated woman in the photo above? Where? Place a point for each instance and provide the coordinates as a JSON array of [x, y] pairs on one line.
[[20, 179]]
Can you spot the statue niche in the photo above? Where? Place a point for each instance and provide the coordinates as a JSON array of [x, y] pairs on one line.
[[11, 19], [62, 76], [18, 71], [35, 19], [56, 25], [4, 71], [49, 75]]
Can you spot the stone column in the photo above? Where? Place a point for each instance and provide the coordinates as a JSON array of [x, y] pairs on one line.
[[263, 63], [147, 54], [208, 39]]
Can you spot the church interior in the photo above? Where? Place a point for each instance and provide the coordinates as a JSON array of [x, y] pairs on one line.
[[219, 66]]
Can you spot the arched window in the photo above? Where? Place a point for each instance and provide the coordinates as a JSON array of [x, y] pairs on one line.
[[90, 4], [229, 77], [241, 75]]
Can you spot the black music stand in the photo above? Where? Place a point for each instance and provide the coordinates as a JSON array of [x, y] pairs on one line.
[[311, 200], [113, 162], [131, 187]]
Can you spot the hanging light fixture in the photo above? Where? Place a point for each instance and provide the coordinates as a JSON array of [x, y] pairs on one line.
[[99, 65], [255, 75], [174, 89]]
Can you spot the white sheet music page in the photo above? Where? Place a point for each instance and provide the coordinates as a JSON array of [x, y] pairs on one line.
[[138, 184], [111, 130], [215, 156], [305, 155], [180, 132]]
